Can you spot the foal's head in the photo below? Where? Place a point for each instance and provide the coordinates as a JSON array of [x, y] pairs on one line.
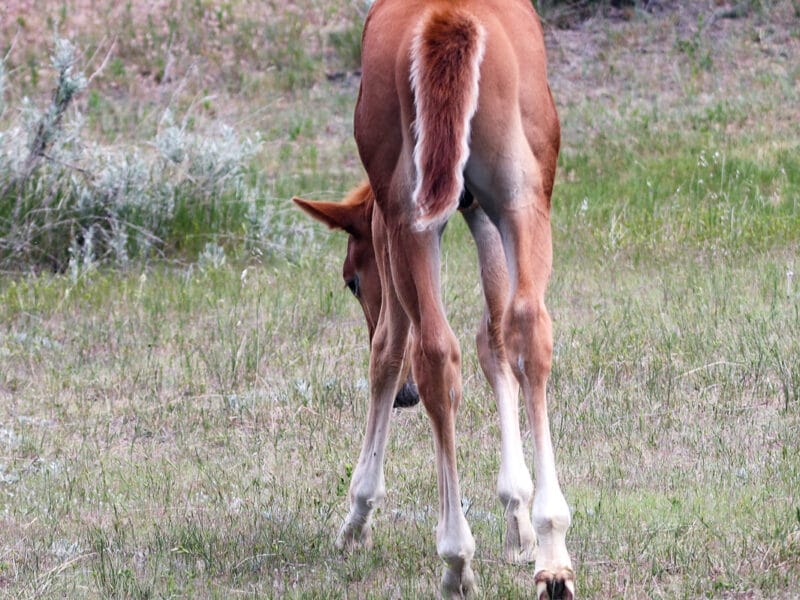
[[353, 215], [360, 270]]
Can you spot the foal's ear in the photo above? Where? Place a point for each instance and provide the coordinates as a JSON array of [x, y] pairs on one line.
[[335, 215], [352, 215]]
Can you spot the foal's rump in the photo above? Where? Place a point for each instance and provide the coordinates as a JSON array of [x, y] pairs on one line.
[[462, 79]]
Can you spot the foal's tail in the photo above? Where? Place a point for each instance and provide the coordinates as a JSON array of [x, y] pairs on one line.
[[446, 55]]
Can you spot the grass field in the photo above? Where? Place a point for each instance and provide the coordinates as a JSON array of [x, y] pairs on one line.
[[185, 424]]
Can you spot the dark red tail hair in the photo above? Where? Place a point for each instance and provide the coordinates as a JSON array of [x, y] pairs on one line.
[[445, 67]]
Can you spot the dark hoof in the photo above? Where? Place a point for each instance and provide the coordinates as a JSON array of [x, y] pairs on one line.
[[407, 396], [555, 586]]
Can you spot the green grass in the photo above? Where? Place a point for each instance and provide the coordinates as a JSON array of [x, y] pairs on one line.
[[192, 433], [185, 424]]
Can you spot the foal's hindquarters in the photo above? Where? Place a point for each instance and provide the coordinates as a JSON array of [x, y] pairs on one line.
[[455, 95]]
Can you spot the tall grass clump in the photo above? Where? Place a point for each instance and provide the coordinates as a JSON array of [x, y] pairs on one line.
[[69, 203]]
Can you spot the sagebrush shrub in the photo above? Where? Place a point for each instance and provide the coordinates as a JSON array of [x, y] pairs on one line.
[[67, 202]]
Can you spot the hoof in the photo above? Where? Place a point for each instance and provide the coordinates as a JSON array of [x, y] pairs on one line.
[[458, 584], [520, 545], [516, 555], [555, 586], [353, 537]]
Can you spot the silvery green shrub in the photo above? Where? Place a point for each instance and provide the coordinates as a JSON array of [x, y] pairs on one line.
[[69, 203]]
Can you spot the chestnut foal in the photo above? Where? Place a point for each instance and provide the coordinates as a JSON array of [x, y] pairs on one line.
[[454, 112]]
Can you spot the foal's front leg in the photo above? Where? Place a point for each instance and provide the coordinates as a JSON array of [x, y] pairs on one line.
[[367, 487], [514, 483]]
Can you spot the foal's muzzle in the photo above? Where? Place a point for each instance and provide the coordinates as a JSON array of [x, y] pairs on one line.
[[408, 395]]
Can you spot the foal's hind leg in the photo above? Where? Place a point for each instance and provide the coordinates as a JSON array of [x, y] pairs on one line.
[[436, 360], [525, 229], [514, 484]]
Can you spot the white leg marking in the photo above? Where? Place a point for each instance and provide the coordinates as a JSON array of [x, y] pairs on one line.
[[367, 487], [514, 484], [454, 542], [551, 517]]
